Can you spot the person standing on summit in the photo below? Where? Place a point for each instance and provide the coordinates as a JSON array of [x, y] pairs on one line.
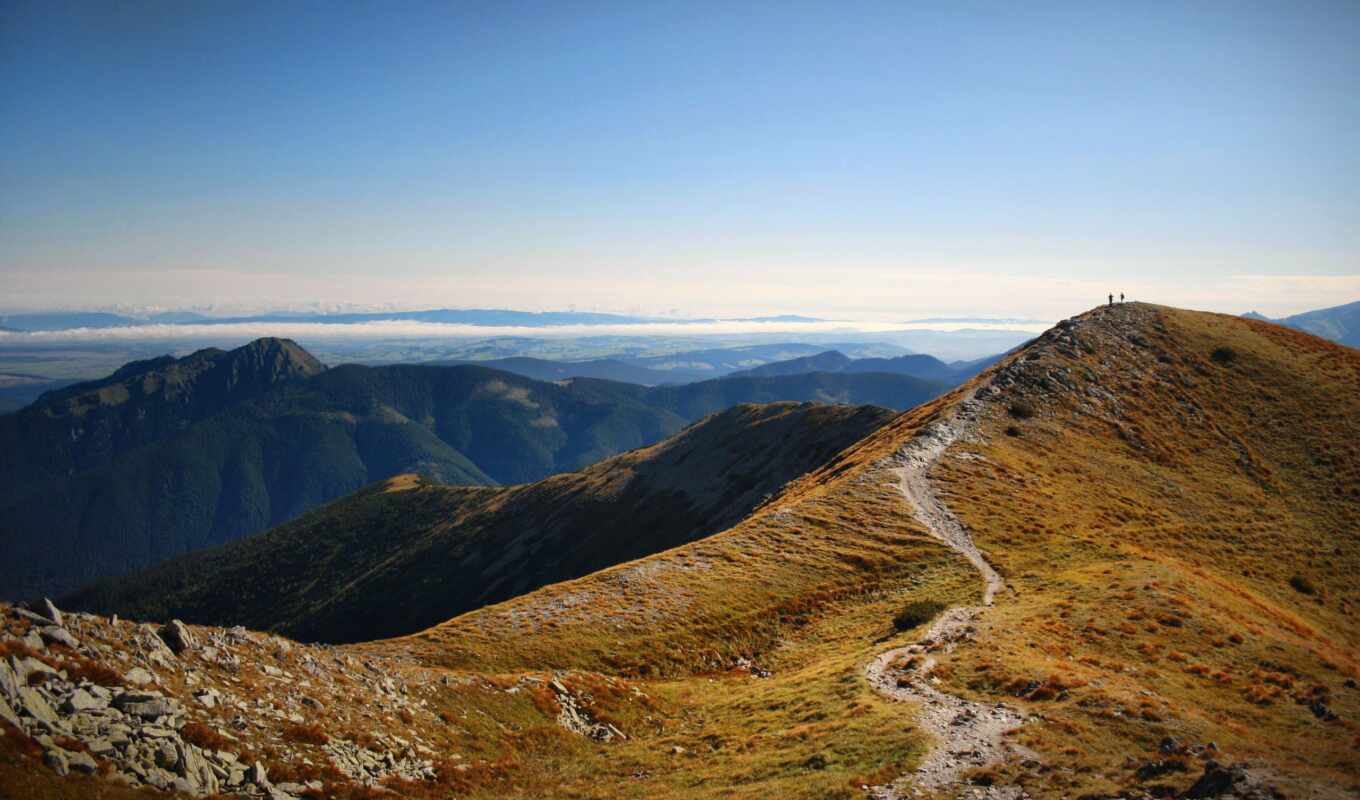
[[1111, 298], [1121, 297]]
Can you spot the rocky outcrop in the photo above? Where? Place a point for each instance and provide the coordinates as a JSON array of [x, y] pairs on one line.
[[187, 711]]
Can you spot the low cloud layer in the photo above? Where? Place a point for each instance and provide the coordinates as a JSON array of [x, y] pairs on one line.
[[403, 329]]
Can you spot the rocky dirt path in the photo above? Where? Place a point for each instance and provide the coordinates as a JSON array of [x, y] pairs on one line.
[[968, 734]]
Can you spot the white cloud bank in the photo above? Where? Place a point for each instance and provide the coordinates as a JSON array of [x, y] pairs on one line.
[[406, 329]]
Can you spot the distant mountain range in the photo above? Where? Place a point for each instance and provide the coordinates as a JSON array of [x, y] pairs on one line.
[[167, 455], [681, 367], [920, 366], [1339, 323], [403, 555]]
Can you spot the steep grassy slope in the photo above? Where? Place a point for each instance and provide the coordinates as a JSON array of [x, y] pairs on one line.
[[1177, 508], [405, 554]]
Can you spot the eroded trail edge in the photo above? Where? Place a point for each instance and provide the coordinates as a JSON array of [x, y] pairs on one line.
[[968, 734]]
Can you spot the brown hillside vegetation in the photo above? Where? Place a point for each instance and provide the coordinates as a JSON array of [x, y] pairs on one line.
[[1172, 499]]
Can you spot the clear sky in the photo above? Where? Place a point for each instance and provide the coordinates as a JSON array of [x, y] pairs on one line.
[[872, 160]]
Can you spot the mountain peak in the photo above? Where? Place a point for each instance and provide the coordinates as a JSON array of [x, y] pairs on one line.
[[281, 359]]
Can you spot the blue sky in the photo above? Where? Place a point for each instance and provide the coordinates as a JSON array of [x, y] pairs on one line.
[[870, 160]]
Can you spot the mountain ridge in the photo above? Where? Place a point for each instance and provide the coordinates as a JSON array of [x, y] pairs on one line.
[[459, 548]]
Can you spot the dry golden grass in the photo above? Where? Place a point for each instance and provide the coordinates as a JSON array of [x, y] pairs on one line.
[[1151, 553]]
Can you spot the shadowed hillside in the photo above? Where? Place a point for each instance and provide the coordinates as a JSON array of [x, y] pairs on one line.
[[170, 456], [405, 554], [88, 425]]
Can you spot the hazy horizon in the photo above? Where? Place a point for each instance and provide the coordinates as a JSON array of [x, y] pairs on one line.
[[844, 161]]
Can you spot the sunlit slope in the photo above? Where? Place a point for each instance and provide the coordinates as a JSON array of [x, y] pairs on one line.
[[838, 532], [406, 553], [1173, 498]]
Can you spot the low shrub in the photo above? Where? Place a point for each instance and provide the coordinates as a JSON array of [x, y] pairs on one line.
[[1223, 355], [916, 613], [1302, 585], [81, 668], [306, 734], [203, 736]]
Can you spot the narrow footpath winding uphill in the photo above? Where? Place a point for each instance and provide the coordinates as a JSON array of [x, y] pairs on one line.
[[968, 734]]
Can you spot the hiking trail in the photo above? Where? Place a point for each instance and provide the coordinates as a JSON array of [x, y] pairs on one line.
[[968, 734]]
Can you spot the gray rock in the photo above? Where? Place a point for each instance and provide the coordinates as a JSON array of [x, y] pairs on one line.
[[81, 700], [139, 677], [8, 714], [167, 754], [100, 746], [53, 613], [34, 641], [56, 759], [52, 633], [36, 706], [159, 778], [82, 762], [156, 732], [27, 666], [31, 616], [176, 636], [9, 683], [257, 775], [145, 707]]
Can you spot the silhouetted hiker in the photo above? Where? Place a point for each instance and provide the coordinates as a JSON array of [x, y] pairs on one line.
[[1111, 299], [1121, 297]]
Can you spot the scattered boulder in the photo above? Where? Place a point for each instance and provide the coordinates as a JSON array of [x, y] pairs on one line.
[[36, 706], [53, 614], [176, 636], [1234, 780], [9, 683], [56, 759], [81, 700], [31, 616], [8, 714], [61, 636], [145, 705], [139, 677], [82, 762]]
